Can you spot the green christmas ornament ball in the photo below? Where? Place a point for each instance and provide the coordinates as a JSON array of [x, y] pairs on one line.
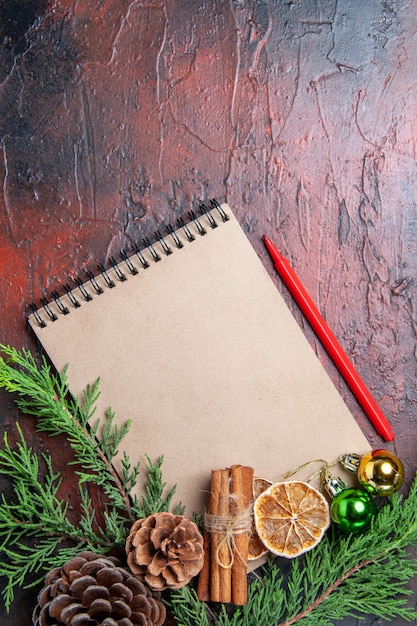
[[352, 510], [380, 472]]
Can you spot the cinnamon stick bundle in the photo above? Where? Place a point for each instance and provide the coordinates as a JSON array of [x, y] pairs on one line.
[[226, 540]]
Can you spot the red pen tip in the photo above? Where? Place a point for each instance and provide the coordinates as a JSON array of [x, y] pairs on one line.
[[275, 255]]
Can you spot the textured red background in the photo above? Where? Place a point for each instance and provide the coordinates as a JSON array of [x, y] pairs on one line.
[[117, 115]]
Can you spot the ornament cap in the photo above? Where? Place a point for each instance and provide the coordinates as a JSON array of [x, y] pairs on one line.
[[334, 485], [350, 462]]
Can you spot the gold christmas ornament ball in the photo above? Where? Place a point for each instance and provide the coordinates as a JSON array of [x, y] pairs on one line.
[[380, 473]]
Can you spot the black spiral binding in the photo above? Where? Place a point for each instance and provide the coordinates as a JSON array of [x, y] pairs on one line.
[[80, 293], [75, 303]]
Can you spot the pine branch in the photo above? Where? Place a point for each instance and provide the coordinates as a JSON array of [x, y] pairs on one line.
[[187, 609], [154, 500], [377, 561], [45, 395], [34, 526], [21, 565]]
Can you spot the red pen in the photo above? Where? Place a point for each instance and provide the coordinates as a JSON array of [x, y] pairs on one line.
[[330, 343]]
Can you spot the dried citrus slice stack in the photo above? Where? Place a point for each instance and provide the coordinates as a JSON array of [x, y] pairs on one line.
[[256, 547], [291, 518]]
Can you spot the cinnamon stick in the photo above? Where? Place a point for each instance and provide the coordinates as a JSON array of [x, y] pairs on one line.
[[203, 585], [216, 485], [211, 579], [241, 488], [220, 576], [224, 555]]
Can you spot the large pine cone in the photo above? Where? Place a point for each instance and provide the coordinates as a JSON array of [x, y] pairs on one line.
[[92, 590], [165, 550]]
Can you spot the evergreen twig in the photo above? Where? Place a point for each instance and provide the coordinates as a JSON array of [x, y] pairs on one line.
[[34, 525], [46, 396]]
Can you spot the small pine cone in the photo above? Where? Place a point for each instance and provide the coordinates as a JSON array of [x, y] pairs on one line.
[[165, 550], [93, 590]]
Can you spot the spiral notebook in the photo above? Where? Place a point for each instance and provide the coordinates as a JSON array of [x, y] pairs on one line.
[[193, 342]]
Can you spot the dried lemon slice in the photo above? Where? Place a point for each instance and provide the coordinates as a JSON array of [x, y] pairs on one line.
[[256, 547], [291, 518]]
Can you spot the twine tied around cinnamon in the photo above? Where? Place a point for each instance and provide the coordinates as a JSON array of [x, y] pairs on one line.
[[228, 526]]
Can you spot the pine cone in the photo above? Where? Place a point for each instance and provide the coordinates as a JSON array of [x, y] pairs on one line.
[[165, 550], [93, 590]]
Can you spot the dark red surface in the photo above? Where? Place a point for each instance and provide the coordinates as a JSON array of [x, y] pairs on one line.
[[119, 114]]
